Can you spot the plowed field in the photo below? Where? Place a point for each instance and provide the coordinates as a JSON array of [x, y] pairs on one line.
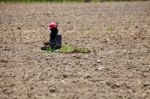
[[118, 67]]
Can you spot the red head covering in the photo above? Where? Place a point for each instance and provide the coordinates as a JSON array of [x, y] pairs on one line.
[[52, 25]]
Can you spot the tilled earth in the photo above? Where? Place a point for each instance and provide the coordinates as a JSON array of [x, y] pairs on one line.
[[118, 33]]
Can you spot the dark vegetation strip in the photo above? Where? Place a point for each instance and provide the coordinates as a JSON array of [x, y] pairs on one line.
[[65, 0]]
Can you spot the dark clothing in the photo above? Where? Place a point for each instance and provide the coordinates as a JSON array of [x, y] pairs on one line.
[[55, 39], [54, 33]]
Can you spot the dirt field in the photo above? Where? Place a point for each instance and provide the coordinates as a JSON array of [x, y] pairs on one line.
[[117, 68]]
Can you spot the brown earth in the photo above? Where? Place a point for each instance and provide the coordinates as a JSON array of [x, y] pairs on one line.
[[118, 33]]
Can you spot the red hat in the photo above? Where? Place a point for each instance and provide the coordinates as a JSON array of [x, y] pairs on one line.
[[52, 25]]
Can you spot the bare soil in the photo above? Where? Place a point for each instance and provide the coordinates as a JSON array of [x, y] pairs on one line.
[[118, 33]]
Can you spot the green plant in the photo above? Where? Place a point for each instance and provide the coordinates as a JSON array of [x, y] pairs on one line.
[[110, 29]]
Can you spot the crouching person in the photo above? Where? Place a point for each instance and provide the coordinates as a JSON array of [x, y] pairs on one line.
[[55, 36]]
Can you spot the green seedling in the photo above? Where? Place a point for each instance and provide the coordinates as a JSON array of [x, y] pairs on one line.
[[110, 29]]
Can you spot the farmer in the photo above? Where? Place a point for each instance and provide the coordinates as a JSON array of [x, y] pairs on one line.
[[55, 36]]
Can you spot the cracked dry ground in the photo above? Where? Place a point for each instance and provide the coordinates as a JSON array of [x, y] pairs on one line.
[[118, 33]]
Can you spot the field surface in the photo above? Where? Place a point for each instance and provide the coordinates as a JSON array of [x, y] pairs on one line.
[[118, 33]]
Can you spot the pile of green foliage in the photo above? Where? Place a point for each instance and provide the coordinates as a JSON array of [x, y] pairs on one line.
[[68, 49]]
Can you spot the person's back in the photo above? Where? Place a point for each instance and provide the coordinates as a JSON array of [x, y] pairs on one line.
[[55, 36]]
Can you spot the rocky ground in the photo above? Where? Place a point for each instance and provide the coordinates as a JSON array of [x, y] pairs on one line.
[[118, 33]]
